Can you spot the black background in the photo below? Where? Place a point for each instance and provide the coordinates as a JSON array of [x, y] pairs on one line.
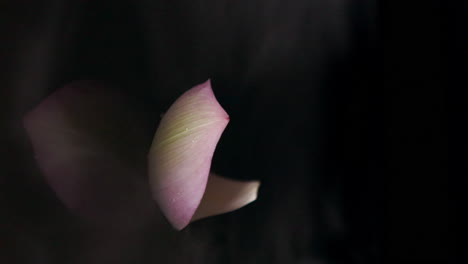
[[336, 106]]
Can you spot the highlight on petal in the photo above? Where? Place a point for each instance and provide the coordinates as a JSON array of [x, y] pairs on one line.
[[182, 150], [91, 147], [224, 195]]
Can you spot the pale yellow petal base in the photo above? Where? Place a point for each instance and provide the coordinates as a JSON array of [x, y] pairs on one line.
[[224, 195]]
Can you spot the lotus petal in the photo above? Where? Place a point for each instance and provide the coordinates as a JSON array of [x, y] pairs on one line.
[[91, 148], [224, 195], [182, 150]]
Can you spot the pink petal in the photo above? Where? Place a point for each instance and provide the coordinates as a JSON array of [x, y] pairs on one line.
[[91, 148], [181, 153]]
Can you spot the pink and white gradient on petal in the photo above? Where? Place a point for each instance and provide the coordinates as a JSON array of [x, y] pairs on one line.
[[91, 146], [180, 160]]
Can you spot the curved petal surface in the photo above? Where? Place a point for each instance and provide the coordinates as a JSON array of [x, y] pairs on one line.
[[182, 150], [224, 195], [91, 147]]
